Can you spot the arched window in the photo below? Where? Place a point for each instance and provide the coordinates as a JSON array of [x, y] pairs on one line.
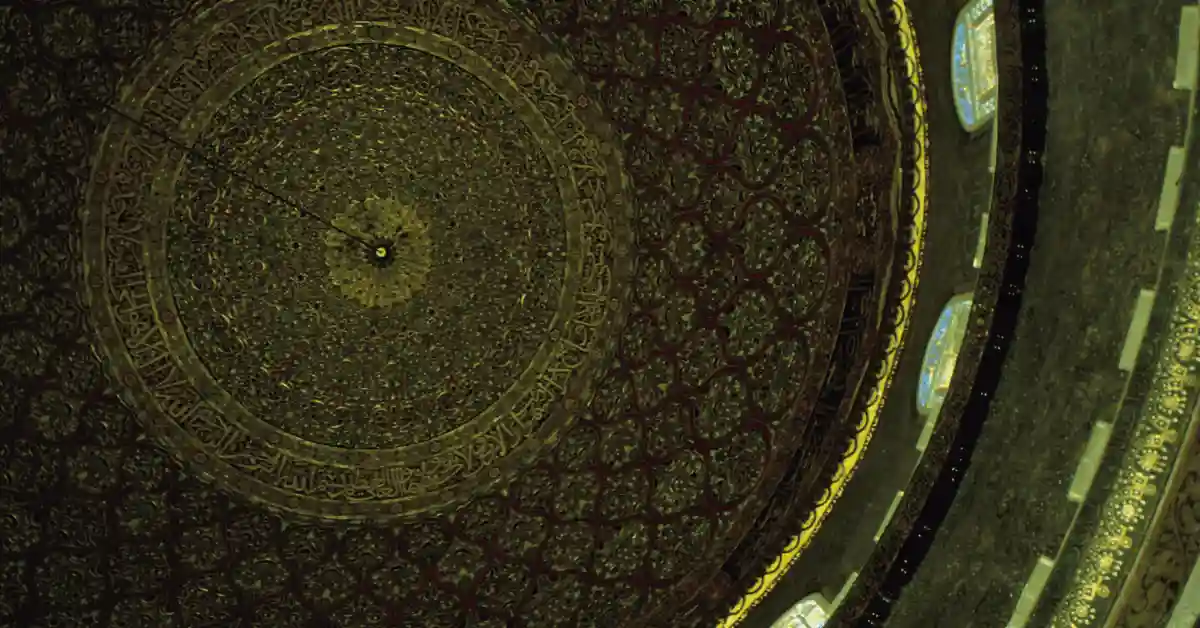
[[811, 612], [974, 65], [941, 354]]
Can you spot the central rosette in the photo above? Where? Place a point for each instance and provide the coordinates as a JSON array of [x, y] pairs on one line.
[[432, 286], [379, 252]]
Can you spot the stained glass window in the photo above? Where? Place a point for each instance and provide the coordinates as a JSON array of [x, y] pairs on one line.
[[973, 62], [941, 354], [811, 612]]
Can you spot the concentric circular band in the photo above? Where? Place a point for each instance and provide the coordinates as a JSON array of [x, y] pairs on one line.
[[147, 346]]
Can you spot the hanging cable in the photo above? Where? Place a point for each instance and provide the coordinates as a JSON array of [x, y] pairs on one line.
[[233, 172]]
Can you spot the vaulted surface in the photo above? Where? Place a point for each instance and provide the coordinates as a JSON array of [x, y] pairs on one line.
[[493, 315]]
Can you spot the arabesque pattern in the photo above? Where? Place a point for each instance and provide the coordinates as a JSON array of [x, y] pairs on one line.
[[727, 243]]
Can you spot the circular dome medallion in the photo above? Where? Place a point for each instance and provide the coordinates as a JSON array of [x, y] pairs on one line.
[[417, 305]]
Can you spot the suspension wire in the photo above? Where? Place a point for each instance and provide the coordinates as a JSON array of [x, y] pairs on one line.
[[235, 173]]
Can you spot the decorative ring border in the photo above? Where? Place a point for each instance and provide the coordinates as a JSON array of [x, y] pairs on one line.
[[910, 275], [548, 433], [1128, 509], [1132, 520], [314, 41]]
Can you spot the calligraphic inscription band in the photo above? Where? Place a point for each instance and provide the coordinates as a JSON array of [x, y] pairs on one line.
[[182, 87]]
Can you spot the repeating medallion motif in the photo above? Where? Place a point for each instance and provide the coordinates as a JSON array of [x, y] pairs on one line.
[[641, 253]]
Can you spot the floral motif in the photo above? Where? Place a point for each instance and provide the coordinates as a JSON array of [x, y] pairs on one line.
[[373, 270]]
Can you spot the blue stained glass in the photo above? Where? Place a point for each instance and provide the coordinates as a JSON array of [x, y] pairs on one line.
[[961, 77], [941, 352], [973, 72]]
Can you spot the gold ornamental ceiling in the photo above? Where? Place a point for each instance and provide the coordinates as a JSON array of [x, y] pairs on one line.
[[427, 313]]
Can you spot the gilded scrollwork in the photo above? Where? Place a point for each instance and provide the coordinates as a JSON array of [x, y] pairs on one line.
[[1145, 467], [909, 88]]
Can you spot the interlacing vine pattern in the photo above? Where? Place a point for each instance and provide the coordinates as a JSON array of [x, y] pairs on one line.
[[633, 270]]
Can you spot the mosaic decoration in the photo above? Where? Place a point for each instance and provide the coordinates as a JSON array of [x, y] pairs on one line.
[[243, 63], [1171, 548], [196, 349], [1135, 494]]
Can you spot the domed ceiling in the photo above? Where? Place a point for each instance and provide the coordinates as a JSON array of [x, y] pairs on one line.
[[421, 313]]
